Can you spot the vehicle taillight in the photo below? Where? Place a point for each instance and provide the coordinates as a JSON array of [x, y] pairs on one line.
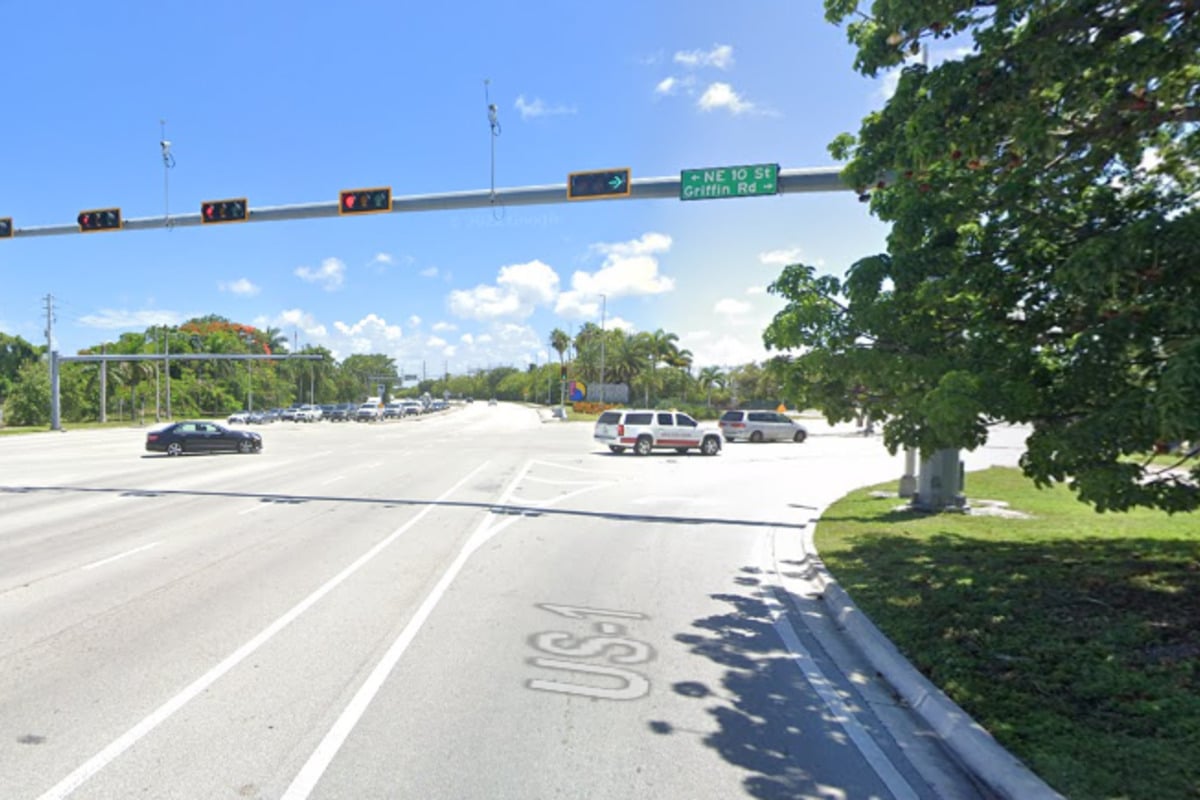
[[620, 430], [152, 437]]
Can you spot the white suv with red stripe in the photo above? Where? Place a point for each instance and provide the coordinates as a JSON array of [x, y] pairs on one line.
[[643, 430]]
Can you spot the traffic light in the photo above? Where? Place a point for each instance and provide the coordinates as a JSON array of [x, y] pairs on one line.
[[6, 227], [598, 183], [562, 372], [213, 211], [103, 219], [365, 201]]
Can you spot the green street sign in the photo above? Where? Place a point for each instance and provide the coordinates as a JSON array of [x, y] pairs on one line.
[[745, 181]]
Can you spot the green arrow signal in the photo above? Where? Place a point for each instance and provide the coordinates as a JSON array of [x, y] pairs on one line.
[[616, 182]]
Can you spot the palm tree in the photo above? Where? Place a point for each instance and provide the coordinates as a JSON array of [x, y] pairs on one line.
[[709, 377]]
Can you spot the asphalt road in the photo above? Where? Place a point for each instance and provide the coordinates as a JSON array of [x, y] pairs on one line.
[[470, 605]]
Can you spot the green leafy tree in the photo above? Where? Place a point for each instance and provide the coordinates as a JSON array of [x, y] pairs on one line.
[[29, 401], [15, 352], [711, 377], [1041, 267]]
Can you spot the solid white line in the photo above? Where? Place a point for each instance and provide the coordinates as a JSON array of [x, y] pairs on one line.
[[122, 743], [304, 782], [841, 713], [334, 480], [104, 561]]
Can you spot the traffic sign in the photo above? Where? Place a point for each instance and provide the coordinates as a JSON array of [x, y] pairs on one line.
[[598, 184], [6, 227], [102, 219], [745, 181], [213, 211], [365, 201]]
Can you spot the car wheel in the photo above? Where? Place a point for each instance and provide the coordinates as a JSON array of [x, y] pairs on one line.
[[799, 437], [175, 448], [756, 437], [710, 446], [245, 446], [644, 446], [616, 448]]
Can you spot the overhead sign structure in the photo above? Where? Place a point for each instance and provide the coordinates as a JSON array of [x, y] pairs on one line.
[[102, 219], [365, 201], [6, 228], [745, 181], [214, 211], [598, 184]]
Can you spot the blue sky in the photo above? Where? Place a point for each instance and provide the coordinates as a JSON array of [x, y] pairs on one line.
[[289, 102]]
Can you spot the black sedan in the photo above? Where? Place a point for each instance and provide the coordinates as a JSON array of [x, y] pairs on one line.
[[201, 437]]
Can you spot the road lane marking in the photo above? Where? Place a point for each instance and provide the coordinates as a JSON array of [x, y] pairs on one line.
[[85, 771], [825, 689], [259, 506], [334, 479], [110, 559], [306, 780]]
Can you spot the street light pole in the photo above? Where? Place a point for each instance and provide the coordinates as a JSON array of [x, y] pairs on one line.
[[603, 311], [167, 347]]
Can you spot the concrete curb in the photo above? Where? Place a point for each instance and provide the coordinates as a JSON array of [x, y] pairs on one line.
[[990, 763]]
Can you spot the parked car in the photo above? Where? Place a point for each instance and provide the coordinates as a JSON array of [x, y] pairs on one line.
[[237, 417], [761, 426], [393, 410], [645, 430], [308, 413], [367, 412], [340, 412], [289, 414], [201, 437], [412, 408]]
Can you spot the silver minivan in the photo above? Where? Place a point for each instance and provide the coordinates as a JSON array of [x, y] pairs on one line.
[[761, 426]]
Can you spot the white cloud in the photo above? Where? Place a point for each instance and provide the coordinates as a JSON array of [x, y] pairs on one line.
[[370, 327], [713, 349], [435, 341], [449, 350], [331, 274], [756, 290], [722, 96], [730, 307], [537, 108], [467, 339], [414, 321], [241, 287], [618, 323], [114, 319], [429, 272], [781, 258], [629, 269], [519, 289], [483, 338], [384, 259], [442, 327], [720, 56], [667, 86]]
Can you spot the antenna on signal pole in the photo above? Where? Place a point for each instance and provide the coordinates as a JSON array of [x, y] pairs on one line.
[[494, 126], [168, 165]]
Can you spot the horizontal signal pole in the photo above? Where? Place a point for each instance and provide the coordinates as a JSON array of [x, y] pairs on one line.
[[791, 181]]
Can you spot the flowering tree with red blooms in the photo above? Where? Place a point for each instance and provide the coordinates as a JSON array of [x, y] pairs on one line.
[[1043, 264]]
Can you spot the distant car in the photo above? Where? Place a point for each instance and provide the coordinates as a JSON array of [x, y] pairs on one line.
[[761, 426], [308, 413], [367, 412], [412, 408], [237, 417], [492, 402], [289, 414], [340, 412], [201, 437], [645, 430], [393, 410]]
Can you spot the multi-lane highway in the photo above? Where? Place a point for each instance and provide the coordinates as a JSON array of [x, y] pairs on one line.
[[468, 605]]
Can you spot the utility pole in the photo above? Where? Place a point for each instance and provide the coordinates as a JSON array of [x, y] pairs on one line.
[[104, 385], [55, 415], [167, 345]]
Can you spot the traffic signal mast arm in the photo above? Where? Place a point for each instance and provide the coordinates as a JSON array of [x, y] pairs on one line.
[[802, 180]]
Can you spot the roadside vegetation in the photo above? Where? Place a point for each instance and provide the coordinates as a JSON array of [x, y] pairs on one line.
[[647, 368], [1073, 636]]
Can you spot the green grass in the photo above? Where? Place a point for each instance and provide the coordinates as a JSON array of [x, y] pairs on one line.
[[16, 430], [1074, 637]]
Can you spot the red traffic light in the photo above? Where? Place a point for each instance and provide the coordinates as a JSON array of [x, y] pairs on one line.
[[365, 201], [236, 210], [103, 219]]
